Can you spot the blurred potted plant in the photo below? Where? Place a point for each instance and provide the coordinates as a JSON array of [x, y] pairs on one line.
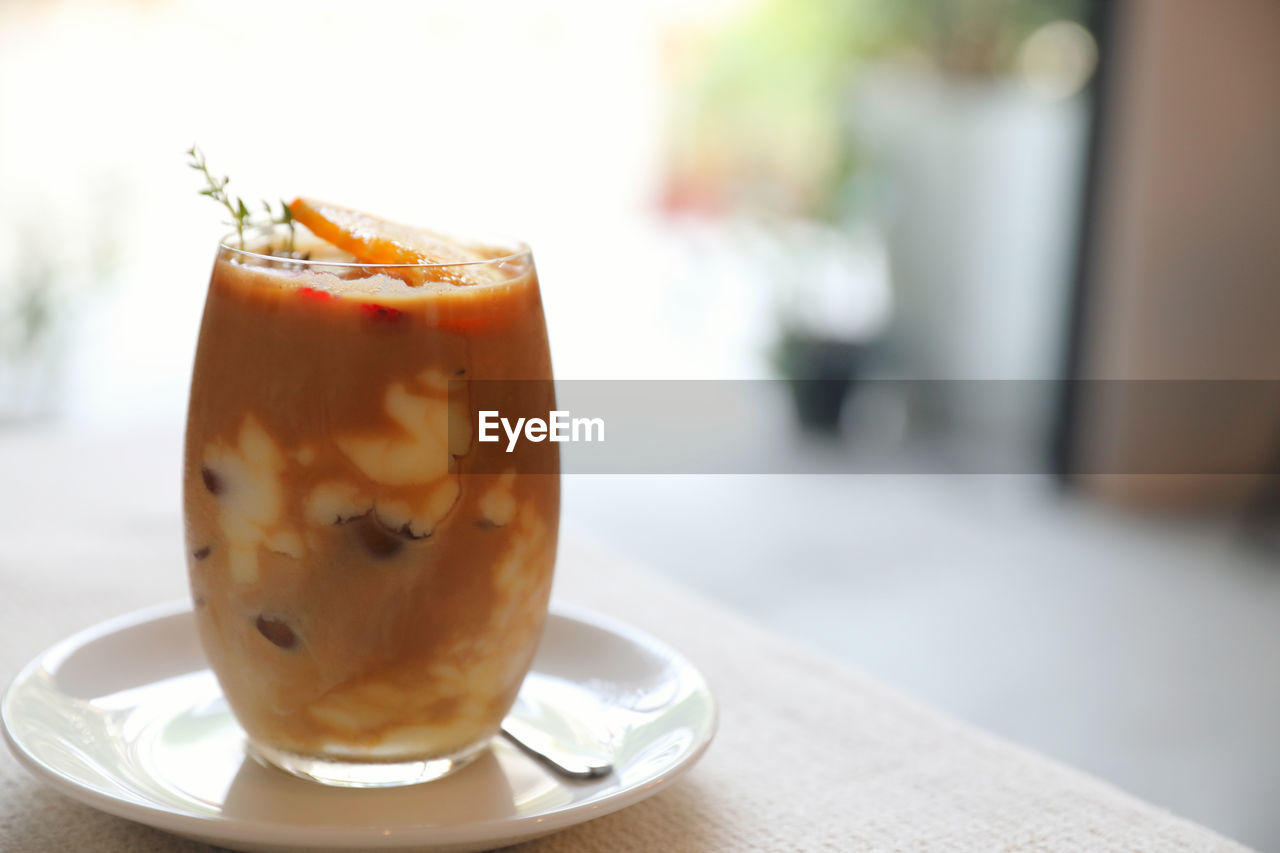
[[762, 131], [833, 302], [809, 109]]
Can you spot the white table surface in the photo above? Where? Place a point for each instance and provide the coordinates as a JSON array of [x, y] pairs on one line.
[[810, 755]]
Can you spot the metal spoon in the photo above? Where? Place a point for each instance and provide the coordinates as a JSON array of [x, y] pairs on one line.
[[552, 721]]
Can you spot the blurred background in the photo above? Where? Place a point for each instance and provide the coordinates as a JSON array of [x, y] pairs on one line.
[[851, 191]]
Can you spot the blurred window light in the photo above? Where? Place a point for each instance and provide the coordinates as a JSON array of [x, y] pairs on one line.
[[1057, 59]]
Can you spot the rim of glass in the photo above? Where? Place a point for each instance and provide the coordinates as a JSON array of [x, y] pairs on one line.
[[520, 249]]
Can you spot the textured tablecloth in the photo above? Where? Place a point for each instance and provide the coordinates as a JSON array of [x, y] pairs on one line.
[[810, 755]]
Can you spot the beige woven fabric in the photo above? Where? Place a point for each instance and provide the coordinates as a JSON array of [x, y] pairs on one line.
[[810, 755]]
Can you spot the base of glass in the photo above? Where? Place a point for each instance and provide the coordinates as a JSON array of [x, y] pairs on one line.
[[363, 774]]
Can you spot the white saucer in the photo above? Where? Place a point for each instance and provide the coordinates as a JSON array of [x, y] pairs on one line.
[[125, 717]]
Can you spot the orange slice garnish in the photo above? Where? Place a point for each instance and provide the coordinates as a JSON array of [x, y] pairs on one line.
[[378, 241]]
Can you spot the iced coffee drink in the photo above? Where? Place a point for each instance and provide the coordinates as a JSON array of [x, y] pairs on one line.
[[370, 582]]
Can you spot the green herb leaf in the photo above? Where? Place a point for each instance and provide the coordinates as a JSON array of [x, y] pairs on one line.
[[241, 218]]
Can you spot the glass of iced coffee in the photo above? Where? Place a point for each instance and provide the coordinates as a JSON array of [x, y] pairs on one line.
[[370, 582]]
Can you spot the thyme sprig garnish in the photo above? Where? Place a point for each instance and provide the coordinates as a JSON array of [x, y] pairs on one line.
[[241, 217]]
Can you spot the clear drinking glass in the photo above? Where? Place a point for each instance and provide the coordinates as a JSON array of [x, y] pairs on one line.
[[370, 582]]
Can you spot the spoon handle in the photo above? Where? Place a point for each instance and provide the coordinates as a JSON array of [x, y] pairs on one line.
[[564, 759]]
